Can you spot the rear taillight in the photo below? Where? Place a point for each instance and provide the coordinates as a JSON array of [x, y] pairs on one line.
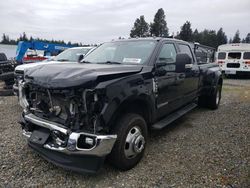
[[221, 62], [247, 62]]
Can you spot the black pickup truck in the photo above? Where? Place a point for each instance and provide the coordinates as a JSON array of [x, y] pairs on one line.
[[76, 115]]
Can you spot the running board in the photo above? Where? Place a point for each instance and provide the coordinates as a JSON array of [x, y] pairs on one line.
[[174, 116]]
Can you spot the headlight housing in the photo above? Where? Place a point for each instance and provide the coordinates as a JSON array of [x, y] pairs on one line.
[[22, 98]]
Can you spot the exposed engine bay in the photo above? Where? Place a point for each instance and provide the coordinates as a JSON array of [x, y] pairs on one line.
[[74, 108]]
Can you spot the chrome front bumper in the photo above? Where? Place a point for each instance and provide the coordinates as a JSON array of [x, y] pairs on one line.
[[103, 144]]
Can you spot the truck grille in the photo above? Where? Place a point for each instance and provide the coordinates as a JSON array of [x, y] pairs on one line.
[[233, 65]]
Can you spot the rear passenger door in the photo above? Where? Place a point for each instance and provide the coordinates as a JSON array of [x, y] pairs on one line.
[[189, 88]]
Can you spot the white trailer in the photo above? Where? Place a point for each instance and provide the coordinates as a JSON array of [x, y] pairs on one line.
[[234, 58]]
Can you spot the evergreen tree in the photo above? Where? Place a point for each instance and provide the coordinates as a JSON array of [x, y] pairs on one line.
[[248, 38], [236, 38], [159, 27], [23, 37], [209, 38], [221, 37], [196, 36], [5, 39], [177, 36], [140, 28], [206, 37], [186, 32]]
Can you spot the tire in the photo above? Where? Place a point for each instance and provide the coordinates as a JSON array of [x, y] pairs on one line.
[[131, 141], [202, 101], [3, 57], [214, 99], [211, 101]]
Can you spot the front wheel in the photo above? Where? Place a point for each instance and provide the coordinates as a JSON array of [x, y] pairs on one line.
[[131, 141]]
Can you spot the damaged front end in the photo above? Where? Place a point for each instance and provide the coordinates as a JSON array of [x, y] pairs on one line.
[[65, 125]]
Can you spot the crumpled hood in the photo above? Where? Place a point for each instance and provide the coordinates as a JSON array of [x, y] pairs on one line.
[[76, 74]]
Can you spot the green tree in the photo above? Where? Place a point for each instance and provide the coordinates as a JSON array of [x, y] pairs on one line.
[[5, 39], [186, 32], [159, 27], [221, 37], [236, 38], [206, 37], [23, 37], [210, 38], [196, 36], [140, 28], [247, 38]]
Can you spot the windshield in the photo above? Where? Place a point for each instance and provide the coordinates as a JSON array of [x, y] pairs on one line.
[[234, 55], [122, 52], [71, 54]]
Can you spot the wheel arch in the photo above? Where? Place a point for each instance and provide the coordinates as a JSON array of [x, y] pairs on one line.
[[140, 105]]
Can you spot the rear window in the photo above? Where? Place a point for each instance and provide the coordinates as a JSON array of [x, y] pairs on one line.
[[222, 55], [234, 55], [246, 55], [186, 49]]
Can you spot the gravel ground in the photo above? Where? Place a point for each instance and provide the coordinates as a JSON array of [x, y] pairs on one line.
[[202, 149]]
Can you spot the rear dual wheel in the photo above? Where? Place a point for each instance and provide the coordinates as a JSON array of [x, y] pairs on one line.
[[211, 101]]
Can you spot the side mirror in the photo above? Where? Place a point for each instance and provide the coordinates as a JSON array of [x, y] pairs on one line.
[[181, 60], [80, 57], [160, 64], [160, 71]]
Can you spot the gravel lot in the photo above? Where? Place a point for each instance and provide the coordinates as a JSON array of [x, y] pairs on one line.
[[203, 149]]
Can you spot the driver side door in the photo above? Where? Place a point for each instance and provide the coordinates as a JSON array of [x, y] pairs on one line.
[[168, 95]]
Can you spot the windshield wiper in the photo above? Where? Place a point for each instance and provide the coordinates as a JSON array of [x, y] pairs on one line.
[[111, 62], [62, 60], [85, 62]]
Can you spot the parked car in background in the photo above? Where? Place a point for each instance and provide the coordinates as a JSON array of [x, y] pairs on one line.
[[77, 115], [6, 70], [234, 59], [72, 55]]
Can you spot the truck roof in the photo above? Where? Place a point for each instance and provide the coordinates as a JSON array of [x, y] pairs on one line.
[[150, 38], [82, 47]]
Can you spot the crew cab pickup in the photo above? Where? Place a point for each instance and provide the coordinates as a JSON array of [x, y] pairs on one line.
[[76, 115]]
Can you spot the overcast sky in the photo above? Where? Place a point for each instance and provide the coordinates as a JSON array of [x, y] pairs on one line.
[[95, 21]]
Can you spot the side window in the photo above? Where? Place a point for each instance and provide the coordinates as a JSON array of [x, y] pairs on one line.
[[167, 54], [186, 49]]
